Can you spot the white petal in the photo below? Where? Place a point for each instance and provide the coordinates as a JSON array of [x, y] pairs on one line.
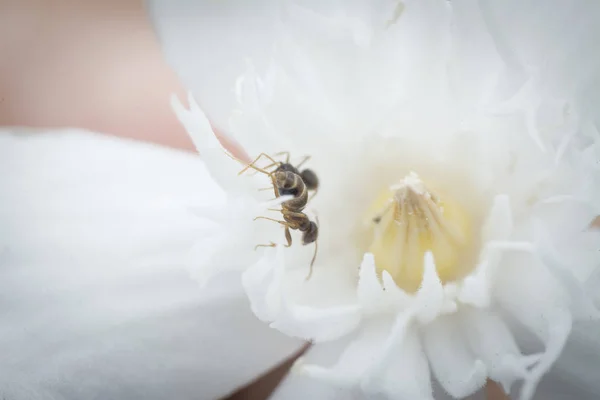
[[534, 297], [401, 357], [476, 288], [317, 324], [388, 360], [229, 244], [263, 283], [267, 287], [499, 223], [582, 297], [430, 300], [300, 386], [187, 32], [96, 301], [372, 295], [455, 367], [356, 358], [220, 163], [492, 342], [476, 65], [369, 288], [539, 36]]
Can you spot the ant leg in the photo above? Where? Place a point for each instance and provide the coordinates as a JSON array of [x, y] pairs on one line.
[[251, 165], [305, 159], [264, 245], [287, 155], [313, 194], [272, 219], [312, 262], [273, 209], [288, 236]]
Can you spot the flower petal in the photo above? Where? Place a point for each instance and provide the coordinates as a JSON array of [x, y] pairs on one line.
[[476, 64], [476, 288], [491, 340], [230, 244], [536, 36], [430, 300], [317, 324], [298, 385], [187, 32], [356, 358], [455, 367], [372, 295], [382, 377], [538, 301], [96, 301], [221, 165], [263, 283]]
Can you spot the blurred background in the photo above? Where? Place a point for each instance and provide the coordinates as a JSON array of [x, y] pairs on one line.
[[92, 64]]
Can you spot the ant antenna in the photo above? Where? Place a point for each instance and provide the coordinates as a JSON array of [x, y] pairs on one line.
[[251, 165]]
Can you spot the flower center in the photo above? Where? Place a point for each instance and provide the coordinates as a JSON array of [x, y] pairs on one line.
[[408, 220]]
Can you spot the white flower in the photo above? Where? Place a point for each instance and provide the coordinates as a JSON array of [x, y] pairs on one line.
[[487, 155]]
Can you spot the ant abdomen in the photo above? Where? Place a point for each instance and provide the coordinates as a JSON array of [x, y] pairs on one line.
[[310, 235]]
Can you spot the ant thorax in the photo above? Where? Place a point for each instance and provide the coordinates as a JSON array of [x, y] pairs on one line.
[[415, 220]]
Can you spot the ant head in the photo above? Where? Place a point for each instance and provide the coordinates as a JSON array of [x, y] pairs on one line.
[[311, 180], [286, 167]]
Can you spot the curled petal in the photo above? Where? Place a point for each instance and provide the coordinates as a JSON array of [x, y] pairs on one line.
[[263, 283], [230, 244], [492, 342], [317, 324], [222, 166], [379, 359], [401, 356], [544, 311], [455, 367], [356, 358]]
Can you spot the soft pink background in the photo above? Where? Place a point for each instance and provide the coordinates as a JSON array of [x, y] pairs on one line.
[[88, 64]]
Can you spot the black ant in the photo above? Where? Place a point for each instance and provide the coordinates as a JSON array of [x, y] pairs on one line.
[[288, 180]]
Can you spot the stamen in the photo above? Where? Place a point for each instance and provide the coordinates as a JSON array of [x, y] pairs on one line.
[[409, 220]]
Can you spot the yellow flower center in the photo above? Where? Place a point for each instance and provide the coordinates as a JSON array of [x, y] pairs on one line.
[[409, 219]]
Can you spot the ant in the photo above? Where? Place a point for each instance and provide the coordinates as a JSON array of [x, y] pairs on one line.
[[288, 180]]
